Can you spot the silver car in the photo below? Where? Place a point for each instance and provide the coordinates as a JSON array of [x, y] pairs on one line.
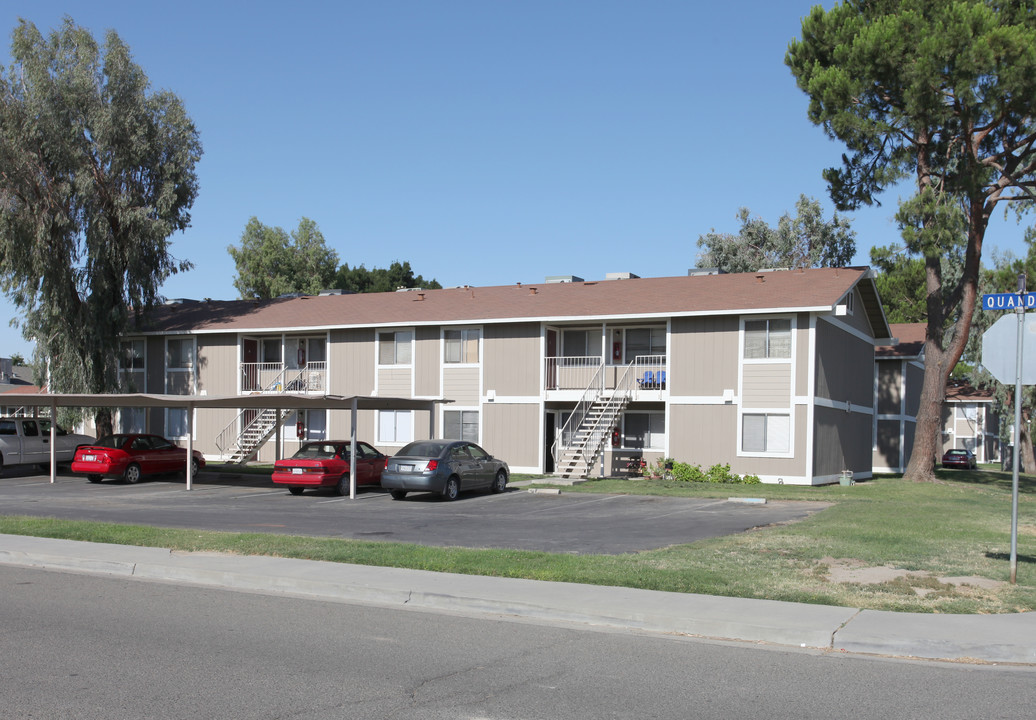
[[445, 467]]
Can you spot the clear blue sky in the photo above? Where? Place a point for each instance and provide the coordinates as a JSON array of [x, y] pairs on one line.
[[486, 142]]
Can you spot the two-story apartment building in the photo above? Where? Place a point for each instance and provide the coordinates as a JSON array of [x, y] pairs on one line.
[[769, 372]]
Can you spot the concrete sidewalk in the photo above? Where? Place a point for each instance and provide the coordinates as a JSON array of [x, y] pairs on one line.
[[979, 638]]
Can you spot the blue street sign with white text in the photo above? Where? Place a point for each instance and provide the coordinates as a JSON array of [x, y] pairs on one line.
[[1008, 301]]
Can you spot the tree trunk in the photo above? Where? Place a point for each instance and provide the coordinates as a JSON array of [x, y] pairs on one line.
[[928, 428], [103, 422], [1026, 458]]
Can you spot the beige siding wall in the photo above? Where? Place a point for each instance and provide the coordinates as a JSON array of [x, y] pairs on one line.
[[351, 356], [802, 354], [706, 435], [766, 385], [427, 356], [842, 442], [511, 359], [890, 395], [511, 431], [394, 382], [217, 375], [461, 386], [845, 366], [703, 356]]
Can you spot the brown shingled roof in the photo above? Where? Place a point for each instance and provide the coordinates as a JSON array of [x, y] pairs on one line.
[[911, 341], [817, 289]]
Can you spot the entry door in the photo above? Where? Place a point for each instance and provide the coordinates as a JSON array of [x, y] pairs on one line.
[[552, 364]]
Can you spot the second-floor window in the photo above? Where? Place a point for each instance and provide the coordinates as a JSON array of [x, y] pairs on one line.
[[179, 354], [461, 346], [644, 341], [768, 339], [394, 347], [131, 355]]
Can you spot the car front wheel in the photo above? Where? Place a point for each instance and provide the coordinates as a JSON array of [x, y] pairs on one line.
[[452, 489], [499, 482], [132, 474]]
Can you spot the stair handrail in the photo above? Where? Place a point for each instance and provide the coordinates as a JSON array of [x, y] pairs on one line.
[[604, 423], [590, 394]]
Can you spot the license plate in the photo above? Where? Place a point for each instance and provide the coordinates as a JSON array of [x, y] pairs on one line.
[[296, 471], [406, 468], [89, 458]]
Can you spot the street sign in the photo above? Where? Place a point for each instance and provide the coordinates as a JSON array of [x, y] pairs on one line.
[[1000, 348], [1008, 301]]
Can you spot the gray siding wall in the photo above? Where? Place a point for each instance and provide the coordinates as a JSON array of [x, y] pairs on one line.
[[842, 442], [887, 452], [890, 396], [461, 386], [703, 356], [511, 359], [845, 366], [915, 379]]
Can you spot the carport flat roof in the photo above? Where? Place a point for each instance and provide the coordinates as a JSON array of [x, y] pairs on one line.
[[284, 401]]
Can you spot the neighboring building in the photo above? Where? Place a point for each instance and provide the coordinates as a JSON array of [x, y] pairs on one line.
[[969, 422], [898, 376], [769, 372], [15, 379]]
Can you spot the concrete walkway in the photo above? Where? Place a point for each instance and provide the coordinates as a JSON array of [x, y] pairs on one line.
[[975, 638]]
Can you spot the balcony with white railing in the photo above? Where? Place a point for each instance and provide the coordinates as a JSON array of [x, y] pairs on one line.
[[276, 378], [647, 372]]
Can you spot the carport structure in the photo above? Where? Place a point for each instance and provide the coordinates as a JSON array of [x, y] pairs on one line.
[[280, 401]]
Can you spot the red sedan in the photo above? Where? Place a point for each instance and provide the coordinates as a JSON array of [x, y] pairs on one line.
[[325, 463], [131, 457], [959, 459]]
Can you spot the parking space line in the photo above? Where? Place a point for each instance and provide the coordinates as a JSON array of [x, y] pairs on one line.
[[259, 494], [686, 510], [572, 505]]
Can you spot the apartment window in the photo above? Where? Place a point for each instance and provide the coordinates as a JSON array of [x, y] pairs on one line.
[[644, 341], [461, 346], [643, 430], [765, 433], [574, 343], [272, 350], [131, 420], [131, 355], [394, 347], [767, 339], [460, 425], [395, 426], [179, 354]]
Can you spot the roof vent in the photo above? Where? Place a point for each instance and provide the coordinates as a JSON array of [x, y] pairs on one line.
[[621, 276]]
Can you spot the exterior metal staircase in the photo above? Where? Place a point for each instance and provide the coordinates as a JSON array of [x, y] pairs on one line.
[[255, 432], [591, 423], [256, 427]]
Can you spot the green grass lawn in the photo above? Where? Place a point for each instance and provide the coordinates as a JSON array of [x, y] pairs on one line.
[[958, 527]]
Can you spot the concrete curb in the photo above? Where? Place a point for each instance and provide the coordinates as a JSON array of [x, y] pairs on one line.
[[984, 638]]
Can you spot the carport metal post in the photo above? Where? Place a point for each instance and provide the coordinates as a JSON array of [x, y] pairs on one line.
[[352, 451], [53, 441], [190, 444]]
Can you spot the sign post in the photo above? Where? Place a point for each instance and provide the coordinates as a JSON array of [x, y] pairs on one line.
[[1019, 302]]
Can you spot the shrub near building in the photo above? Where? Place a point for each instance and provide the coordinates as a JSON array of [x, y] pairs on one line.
[[685, 472]]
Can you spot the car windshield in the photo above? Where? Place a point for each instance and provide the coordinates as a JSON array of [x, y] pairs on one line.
[[316, 451], [423, 448]]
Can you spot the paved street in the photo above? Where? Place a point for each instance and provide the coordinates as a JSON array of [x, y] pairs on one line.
[[76, 646], [566, 523]]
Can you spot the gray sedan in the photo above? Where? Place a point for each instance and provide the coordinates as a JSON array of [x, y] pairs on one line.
[[445, 467]]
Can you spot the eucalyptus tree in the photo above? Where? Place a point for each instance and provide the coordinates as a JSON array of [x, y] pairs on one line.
[[806, 240], [941, 93], [96, 172]]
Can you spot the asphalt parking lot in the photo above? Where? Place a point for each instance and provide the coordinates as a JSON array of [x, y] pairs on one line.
[[576, 523]]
